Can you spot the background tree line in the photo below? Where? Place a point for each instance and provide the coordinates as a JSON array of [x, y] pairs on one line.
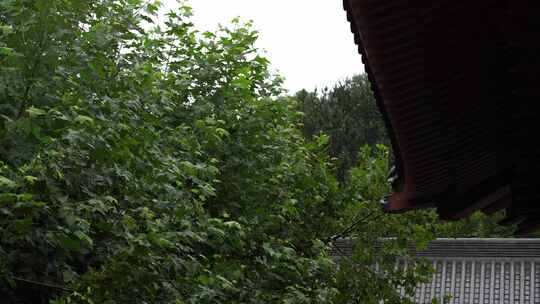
[[348, 114]]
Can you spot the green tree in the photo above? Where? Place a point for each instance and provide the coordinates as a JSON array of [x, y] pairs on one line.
[[349, 115], [367, 225]]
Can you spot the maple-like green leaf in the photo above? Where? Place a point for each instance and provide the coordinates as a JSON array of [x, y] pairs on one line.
[[7, 183], [34, 111]]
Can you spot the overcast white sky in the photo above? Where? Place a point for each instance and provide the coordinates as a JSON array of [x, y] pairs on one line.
[[308, 41]]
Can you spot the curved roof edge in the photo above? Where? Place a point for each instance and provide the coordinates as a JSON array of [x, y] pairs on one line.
[[399, 174], [458, 100]]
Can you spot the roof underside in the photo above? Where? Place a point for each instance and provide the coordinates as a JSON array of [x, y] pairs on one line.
[[457, 82]]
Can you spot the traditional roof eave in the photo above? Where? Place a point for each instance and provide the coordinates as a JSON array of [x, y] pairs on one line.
[[445, 75]]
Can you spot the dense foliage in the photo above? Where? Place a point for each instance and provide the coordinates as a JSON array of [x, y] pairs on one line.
[[348, 114], [148, 164]]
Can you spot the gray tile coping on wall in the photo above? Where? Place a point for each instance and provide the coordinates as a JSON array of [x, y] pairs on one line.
[[477, 271]]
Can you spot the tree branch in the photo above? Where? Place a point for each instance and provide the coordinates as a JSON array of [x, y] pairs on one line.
[[48, 285], [351, 227]]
